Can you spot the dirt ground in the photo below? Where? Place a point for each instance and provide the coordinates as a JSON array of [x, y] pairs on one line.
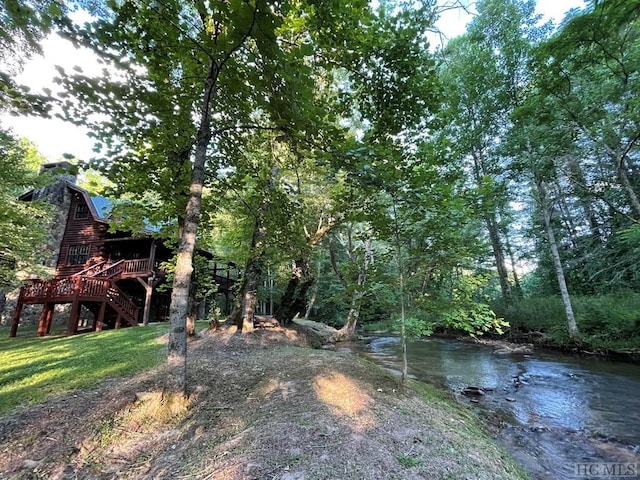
[[262, 406]]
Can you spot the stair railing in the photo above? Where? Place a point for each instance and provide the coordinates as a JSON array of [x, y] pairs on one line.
[[93, 287], [111, 271], [121, 301], [84, 287], [90, 271]]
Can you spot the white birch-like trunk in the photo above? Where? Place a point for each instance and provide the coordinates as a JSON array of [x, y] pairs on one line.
[[349, 328], [574, 334]]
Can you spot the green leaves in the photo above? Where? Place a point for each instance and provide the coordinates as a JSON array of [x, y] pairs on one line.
[[22, 225], [417, 327], [23, 24]]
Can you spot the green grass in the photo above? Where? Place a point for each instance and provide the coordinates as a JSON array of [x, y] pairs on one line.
[[33, 369], [459, 427], [409, 461]]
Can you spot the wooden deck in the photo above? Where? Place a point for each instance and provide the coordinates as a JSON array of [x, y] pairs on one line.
[[95, 285], [82, 289], [121, 269]]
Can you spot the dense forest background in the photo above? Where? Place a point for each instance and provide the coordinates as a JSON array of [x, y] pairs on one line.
[[356, 174]]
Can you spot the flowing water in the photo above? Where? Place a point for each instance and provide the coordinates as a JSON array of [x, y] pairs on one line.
[[558, 412]]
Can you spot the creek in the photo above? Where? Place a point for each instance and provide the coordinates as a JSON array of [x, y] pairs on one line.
[[553, 413]]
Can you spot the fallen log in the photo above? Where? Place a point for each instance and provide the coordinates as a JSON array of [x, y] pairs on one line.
[[317, 333]]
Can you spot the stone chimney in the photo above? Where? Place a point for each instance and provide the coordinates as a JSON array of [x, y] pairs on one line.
[[58, 195]]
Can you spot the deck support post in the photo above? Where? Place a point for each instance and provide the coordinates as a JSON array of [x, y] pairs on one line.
[[44, 324], [148, 292], [42, 321], [147, 301], [16, 317], [50, 318], [152, 255], [74, 317], [99, 322]]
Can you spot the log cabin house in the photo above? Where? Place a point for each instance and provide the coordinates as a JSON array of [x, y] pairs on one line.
[[114, 276]]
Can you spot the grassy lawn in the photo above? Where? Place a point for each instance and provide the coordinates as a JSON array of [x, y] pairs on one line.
[[32, 369]]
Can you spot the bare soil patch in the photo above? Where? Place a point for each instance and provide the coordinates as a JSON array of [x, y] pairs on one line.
[[262, 406]]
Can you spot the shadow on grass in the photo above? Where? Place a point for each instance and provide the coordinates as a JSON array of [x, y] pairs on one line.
[[34, 369]]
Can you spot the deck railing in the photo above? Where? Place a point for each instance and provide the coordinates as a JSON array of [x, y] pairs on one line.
[[124, 267], [66, 289], [140, 265], [110, 270]]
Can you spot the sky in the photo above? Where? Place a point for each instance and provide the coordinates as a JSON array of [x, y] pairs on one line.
[[53, 137], [453, 22]]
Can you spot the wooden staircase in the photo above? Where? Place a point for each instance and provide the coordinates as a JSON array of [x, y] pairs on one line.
[[81, 289], [95, 287]]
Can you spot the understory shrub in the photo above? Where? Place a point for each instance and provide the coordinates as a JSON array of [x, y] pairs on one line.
[[604, 321]]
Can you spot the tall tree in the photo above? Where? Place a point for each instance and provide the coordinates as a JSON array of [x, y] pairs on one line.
[[587, 76], [592, 70], [485, 76], [358, 246], [188, 81], [539, 142], [22, 224]]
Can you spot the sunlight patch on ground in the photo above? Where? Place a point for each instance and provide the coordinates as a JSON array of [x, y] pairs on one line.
[[345, 398], [285, 389]]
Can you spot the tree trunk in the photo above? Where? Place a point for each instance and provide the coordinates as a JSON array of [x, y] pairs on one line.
[[235, 316], [253, 275], [578, 177], [567, 219], [314, 295], [176, 378], [623, 176], [294, 298], [516, 278], [574, 334], [493, 229], [498, 253], [255, 265], [349, 329]]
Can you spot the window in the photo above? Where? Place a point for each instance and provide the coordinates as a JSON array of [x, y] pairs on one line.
[[82, 210], [78, 254], [116, 253]]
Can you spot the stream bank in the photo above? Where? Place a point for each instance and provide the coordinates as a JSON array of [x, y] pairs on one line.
[[262, 406], [515, 338], [549, 411]]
